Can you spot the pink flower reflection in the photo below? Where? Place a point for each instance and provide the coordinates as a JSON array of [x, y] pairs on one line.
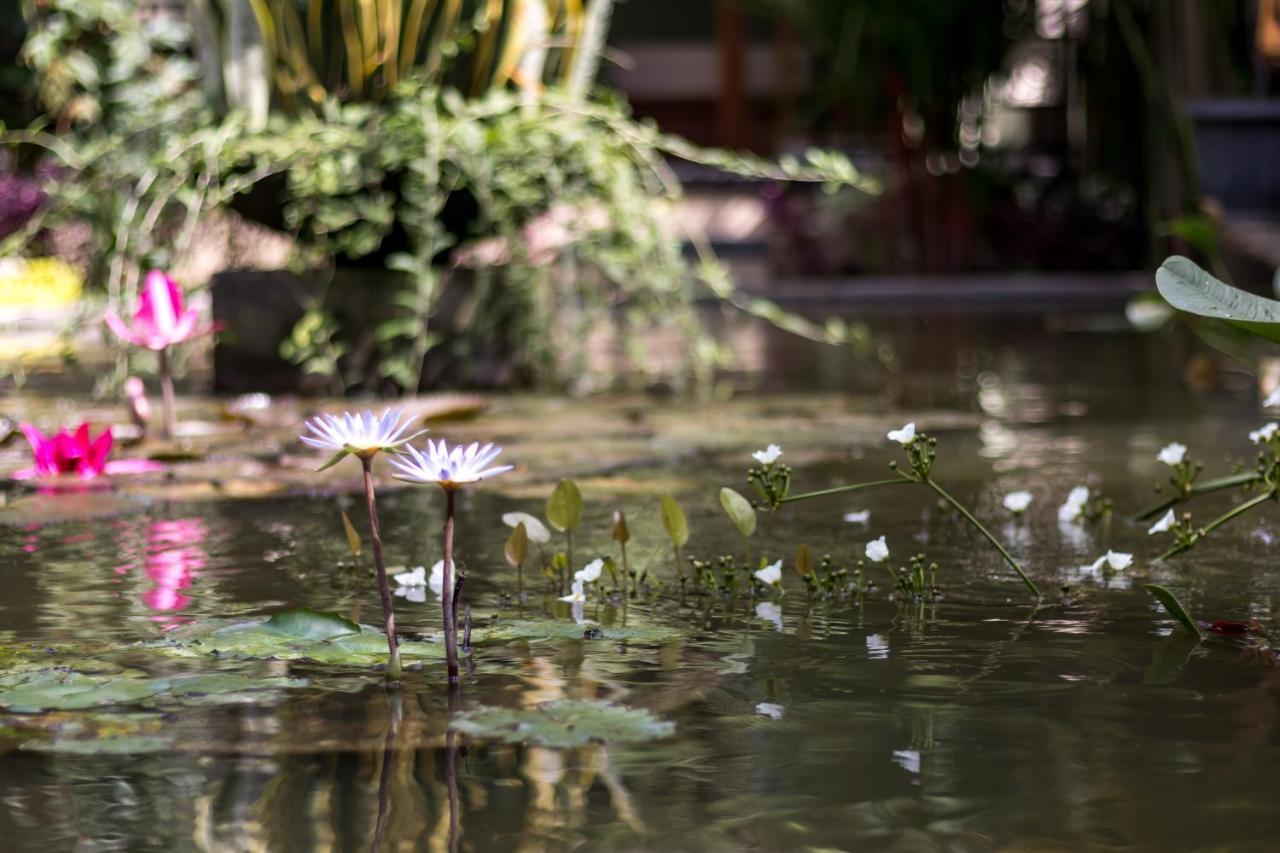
[[175, 555]]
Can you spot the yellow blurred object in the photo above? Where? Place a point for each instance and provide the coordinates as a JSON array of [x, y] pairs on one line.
[[1269, 30], [38, 283]]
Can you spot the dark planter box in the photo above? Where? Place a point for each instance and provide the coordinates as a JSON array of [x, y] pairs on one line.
[[1238, 142]]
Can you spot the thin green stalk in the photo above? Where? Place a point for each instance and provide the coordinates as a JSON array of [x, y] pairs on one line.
[[1219, 521], [942, 493], [853, 487], [1204, 488]]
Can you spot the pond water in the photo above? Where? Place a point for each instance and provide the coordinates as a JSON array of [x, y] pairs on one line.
[[971, 722]]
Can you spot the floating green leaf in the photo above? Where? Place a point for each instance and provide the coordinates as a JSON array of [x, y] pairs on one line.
[[739, 510], [673, 519], [293, 635], [1189, 288], [1170, 603], [564, 724], [517, 546], [310, 624], [535, 630], [62, 689], [564, 507]]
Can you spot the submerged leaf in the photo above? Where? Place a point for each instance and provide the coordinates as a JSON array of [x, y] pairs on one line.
[[564, 724], [739, 510], [1174, 607]]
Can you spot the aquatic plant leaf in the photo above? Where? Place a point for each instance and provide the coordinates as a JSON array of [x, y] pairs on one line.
[[1174, 607], [536, 530], [310, 624], [564, 724], [535, 630], [517, 546], [257, 639], [739, 510], [353, 537], [62, 689], [564, 507], [674, 520], [1189, 288], [804, 560]]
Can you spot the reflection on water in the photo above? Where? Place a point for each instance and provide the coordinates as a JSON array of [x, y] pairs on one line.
[[970, 722]]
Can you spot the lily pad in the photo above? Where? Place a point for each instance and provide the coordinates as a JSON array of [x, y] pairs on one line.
[[62, 689], [532, 630], [293, 635], [564, 724]]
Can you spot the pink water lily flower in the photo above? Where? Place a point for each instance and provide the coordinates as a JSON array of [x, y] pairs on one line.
[[160, 319], [67, 452]]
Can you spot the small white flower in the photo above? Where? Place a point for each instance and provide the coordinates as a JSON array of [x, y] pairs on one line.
[[1172, 453], [862, 516], [771, 574], [1017, 502], [769, 611], [877, 550], [907, 759], [770, 710], [449, 468], [577, 594], [768, 456], [1273, 399], [361, 434], [903, 436], [1114, 560], [1074, 507], [590, 573], [1258, 436], [414, 577], [537, 531], [1166, 522]]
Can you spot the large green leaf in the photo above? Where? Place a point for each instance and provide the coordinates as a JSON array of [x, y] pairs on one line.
[[304, 624], [739, 510], [1170, 602], [564, 507], [1191, 289], [674, 520]]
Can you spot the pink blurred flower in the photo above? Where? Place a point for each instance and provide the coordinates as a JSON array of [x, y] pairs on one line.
[[160, 319], [67, 452]]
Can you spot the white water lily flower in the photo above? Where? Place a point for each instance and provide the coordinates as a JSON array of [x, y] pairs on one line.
[[768, 456], [771, 574], [903, 436], [577, 595], [1017, 502], [590, 572], [1258, 436], [862, 516], [1172, 453], [1165, 523], [536, 530], [449, 468], [1114, 560], [1074, 507], [360, 434], [877, 550], [1273, 399], [414, 577]]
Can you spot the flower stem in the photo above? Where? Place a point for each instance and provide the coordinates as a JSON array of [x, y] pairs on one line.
[[852, 487], [942, 493], [384, 588], [1231, 480], [450, 623], [1218, 522], [166, 390]]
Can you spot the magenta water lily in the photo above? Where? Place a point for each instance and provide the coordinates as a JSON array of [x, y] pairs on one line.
[[160, 320], [451, 469]]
